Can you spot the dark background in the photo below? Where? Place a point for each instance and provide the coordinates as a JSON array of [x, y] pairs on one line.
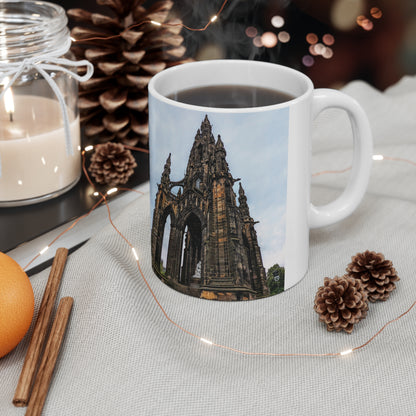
[[381, 55]]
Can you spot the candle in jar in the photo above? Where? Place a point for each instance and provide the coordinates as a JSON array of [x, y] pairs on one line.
[[34, 160]]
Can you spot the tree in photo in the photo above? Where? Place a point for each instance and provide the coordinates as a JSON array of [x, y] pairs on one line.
[[276, 279]]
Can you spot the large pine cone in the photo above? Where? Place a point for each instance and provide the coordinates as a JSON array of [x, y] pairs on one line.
[[112, 164], [376, 274], [341, 303], [113, 103]]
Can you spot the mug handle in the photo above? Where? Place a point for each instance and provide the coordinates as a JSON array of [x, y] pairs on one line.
[[346, 203]]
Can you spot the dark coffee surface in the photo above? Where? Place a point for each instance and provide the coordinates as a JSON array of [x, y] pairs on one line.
[[230, 96]]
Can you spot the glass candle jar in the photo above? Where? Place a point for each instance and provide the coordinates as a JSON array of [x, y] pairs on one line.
[[39, 120]]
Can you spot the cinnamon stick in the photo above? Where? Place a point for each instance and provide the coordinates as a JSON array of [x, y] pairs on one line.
[[27, 376], [47, 365]]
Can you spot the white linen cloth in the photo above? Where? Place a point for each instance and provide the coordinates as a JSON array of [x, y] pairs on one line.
[[122, 357]]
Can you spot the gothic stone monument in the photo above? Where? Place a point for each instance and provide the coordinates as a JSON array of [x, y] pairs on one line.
[[213, 251]]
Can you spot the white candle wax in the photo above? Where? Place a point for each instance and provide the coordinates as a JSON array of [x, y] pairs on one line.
[[34, 161]]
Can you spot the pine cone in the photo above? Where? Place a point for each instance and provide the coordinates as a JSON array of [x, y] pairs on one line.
[[376, 274], [112, 164], [341, 303], [113, 103]]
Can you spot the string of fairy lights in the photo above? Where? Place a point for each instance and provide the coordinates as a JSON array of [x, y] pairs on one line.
[[104, 200]]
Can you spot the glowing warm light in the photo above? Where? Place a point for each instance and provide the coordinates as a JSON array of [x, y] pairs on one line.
[[328, 39], [8, 99], [346, 352], [376, 12], [308, 60], [210, 51], [155, 23], [73, 39], [207, 341], [44, 250], [96, 193], [328, 53], [378, 157], [283, 36], [360, 19], [135, 253], [312, 50], [88, 148], [320, 48], [251, 31], [43, 160], [55, 169], [111, 191], [277, 21], [257, 41], [311, 38], [214, 18], [367, 25], [269, 39], [19, 182], [343, 13]]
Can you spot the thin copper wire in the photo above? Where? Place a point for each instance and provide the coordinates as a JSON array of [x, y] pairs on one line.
[[66, 230], [136, 25], [399, 159], [224, 347], [324, 172], [137, 149], [396, 159], [385, 325]]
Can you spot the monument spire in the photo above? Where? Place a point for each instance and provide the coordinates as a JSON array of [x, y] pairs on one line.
[[165, 180]]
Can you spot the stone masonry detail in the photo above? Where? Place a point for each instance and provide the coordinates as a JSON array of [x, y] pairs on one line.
[[213, 252]]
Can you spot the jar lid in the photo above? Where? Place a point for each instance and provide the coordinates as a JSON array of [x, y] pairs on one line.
[[30, 28]]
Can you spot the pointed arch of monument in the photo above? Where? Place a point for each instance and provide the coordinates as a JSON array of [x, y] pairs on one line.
[[167, 212], [191, 252]]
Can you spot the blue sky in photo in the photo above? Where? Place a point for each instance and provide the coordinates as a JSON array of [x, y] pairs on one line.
[[256, 146]]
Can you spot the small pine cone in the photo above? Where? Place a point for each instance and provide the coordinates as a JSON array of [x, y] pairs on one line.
[[341, 303], [376, 274], [112, 164]]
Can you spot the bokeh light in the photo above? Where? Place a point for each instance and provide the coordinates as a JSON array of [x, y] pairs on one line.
[[328, 39], [269, 39], [312, 50], [308, 60], [311, 38], [251, 31], [364, 22], [283, 36], [278, 21], [328, 53], [343, 13], [257, 41], [360, 19], [319, 48], [376, 13], [367, 25], [210, 51]]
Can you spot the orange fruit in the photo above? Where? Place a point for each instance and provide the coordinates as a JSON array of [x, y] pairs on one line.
[[17, 304]]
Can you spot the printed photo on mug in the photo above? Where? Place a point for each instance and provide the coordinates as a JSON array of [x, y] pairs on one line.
[[219, 209]]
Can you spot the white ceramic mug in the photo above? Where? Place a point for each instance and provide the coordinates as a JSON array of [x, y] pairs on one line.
[[231, 214]]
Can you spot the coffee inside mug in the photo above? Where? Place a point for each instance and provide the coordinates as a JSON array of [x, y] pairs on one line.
[[237, 84], [231, 96]]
